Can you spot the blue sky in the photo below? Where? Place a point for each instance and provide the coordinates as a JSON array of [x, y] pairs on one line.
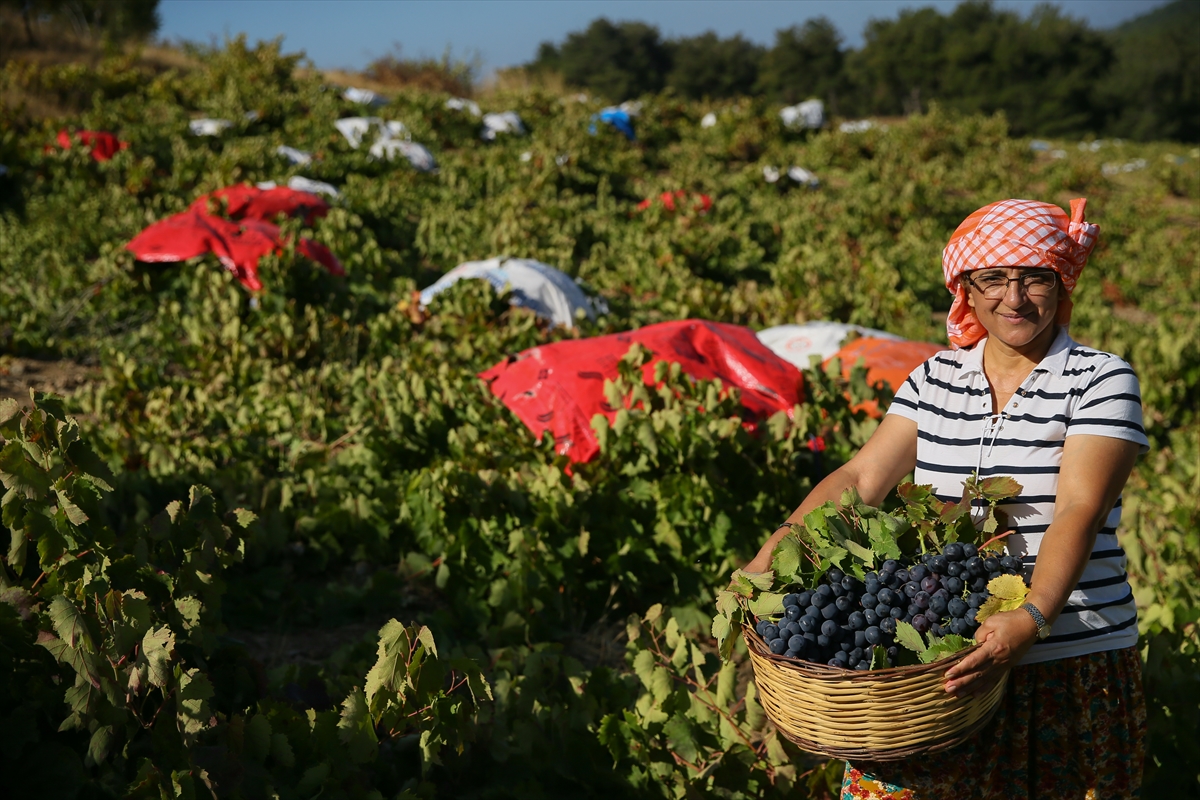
[[350, 33]]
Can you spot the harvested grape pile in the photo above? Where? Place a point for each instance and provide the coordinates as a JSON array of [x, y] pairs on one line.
[[842, 619]]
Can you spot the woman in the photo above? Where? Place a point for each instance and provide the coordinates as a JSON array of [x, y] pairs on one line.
[[1019, 397]]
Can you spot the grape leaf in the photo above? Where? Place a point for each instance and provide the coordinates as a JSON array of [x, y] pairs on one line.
[[355, 729], [744, 583], [69, 623], [1000, 487], [861, 553], [788, 556], [767, 604], [945, 647], [883, 537], [1008, 587], [726, 602], [1008, 592], [879, 657], [9, 408], [907, 636], [996, 605]]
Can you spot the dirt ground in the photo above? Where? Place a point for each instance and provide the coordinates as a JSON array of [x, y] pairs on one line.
[[17, 375]]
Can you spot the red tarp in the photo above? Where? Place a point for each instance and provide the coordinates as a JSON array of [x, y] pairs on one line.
[[703, 202], [886, 360], [250, 202], [559, 387], [240, 243], [102, 143]]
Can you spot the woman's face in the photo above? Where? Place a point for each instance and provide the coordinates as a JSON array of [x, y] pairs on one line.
[[1023, 311]]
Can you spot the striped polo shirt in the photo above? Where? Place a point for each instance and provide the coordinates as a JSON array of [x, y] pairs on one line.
[[1074, 390]]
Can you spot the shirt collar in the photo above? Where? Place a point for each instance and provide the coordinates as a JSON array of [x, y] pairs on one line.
[[1054, 362]]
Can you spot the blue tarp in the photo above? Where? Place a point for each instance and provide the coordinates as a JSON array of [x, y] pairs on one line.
[[618, 118]]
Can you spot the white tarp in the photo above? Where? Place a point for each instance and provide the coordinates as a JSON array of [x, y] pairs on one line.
[[391, 139], [302, 184], [544, 290], [803, 177], [355, 129], [795, 343], [293, 155], [463, 104], [798, 174], [364, 96], [502, 122], [856, 126], [417, 155], [809, 114], [208, 127]]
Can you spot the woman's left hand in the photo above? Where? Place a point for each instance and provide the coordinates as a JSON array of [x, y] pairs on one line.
[[1004, 639]]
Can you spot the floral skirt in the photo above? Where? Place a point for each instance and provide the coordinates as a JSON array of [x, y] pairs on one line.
[[1066, 729]]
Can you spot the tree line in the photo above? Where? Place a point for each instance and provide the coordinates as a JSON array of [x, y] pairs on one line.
[[1049, 73]]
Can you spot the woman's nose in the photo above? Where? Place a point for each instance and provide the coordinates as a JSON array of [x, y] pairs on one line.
[[1015, 293]]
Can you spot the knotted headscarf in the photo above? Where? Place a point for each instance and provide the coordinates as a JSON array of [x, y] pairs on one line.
[[1015, 233]]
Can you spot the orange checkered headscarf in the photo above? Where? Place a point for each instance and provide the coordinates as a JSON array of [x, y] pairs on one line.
[[1015, 233]]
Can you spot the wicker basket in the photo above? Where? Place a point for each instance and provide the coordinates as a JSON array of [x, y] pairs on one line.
[[874, 715]]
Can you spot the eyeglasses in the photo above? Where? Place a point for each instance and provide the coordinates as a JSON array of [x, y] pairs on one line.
[[994, 285]]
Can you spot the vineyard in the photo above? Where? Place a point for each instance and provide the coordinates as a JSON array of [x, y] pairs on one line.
[[286, 543]]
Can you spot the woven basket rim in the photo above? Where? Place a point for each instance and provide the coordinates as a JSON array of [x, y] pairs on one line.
[[752, 638]]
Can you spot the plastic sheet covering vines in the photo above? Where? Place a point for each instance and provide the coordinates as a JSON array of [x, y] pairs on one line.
[[560, 387]]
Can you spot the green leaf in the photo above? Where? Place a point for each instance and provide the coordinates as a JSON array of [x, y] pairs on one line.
[[643, 667], [883, 537], [787, 559], [69, 623], [355, 729], [727, 603], [89, 466], [945, 647], [425, 637], [390, 671], [281, 751], [17, 473], [157, 646], [767, 604], [313, 780], [861, 553], [756, 717], [726, 684], [721, 630], [100, 745], [73, 512], [193, 711], [879, 657], [907, 636], [9, 409], [745, 583], [678, 731], [257, 742]]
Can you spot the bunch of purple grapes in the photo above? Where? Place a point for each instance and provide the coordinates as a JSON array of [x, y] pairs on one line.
[[842, 619]]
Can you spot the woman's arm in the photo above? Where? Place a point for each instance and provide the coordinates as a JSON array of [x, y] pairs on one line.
[[889, 455], [1093, 472]]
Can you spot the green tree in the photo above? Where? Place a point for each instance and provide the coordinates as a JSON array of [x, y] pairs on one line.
[[1154, 92], [806, 61], [617, 61], [709, 66], [1042, 72]]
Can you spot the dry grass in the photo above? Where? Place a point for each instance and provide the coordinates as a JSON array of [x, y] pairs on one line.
[[518, 79]]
